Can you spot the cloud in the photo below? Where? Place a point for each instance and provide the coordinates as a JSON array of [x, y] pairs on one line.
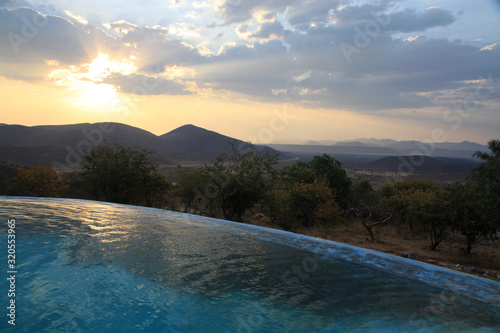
[[238, 11], [253, 70], [269, 30], [407, 20], [411, 21], [145, 85], [28, 40], [490, 47], [153, 48], [265, 46], [312, 10]]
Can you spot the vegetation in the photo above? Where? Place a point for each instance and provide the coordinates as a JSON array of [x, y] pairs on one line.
[[323, 168], [487, 179], [364, 203], [40, 181], [234, 182], [122, 175], [401, 195], [316, 194]]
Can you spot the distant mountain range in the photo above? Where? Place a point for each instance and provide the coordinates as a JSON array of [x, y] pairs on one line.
[[61, 145], [387, 147], [421, 165]]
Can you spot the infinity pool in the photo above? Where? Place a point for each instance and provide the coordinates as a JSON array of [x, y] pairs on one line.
[[85, 266]]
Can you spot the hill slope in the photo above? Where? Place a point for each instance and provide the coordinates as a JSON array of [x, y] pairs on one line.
[[203, 143], [61, 146], [422, 165]]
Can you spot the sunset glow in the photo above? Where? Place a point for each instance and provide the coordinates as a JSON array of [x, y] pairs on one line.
[[379, 69]]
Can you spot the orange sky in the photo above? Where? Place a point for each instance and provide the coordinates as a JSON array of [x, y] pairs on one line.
[[259, 73]]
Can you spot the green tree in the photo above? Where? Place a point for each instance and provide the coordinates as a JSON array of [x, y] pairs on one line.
[[487, 178], [466, 215], [123, 175], [192, 183], [314, 202], [240, 180], [427, 208], [40, 181], [362, 192], [364, 203], [399, 196], [278, 205], [156, 188], [323, 168]]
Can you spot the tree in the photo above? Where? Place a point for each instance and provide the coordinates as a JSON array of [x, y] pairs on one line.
[[314, 202], [40, 181], [241, 180], [156, 188], [123, 175], [466, 215], [279, 207], [487, 178], [365, 204], [399, 195], [192, 185], [323, 168], [367, 213], [427, 208]]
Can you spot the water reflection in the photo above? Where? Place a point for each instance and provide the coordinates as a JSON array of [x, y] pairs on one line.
[[210, 261]]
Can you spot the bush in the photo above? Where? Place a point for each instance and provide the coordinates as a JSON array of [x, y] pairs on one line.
[[40, 181], [323, 168], [123, 175]]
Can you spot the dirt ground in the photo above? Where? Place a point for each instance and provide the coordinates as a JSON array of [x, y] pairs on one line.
[[484, 260]]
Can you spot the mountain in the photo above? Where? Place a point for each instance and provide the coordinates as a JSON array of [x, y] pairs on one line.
[[422, 165], [465, 145], [203, 143], [375, 142], [61, 145], [78, 135], [444, 149], [318, 142], [374, 147], [350, 144], [335, 149]]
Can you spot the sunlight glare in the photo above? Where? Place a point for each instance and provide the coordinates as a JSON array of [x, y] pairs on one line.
[[89, 82], [99, 96], [102, 67]]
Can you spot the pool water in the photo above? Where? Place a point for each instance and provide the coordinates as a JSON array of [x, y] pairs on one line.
[[87, 266]]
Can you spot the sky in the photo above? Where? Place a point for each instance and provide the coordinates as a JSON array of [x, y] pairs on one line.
[[281, 71]]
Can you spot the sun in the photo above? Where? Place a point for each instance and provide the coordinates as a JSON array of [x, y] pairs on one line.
[[99, 96], [88, 82], [102, 66]]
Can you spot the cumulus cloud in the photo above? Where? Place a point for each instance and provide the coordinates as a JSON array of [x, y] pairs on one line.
[[490, 47], [28, 39], [407, 20], [410, 20], [312, 10], [236, 11], [269, 30], [154, 50], [272, 50], [145, 85]]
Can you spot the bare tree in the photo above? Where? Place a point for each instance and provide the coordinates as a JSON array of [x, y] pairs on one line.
[[366, 214]]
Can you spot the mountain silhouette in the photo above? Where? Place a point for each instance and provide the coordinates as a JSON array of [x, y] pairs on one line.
[[63, 146]]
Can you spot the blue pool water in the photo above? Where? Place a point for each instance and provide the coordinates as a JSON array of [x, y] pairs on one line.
[[87, 266]]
